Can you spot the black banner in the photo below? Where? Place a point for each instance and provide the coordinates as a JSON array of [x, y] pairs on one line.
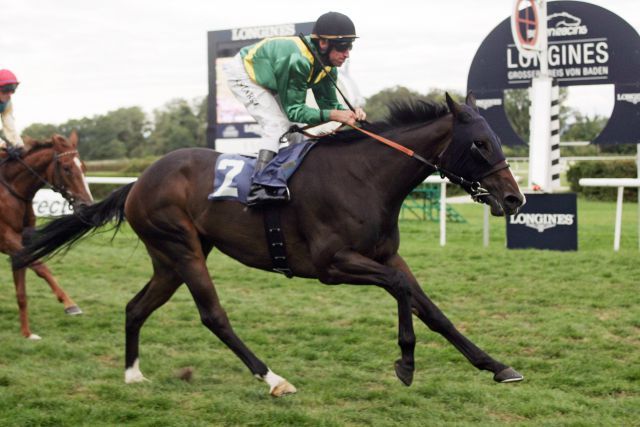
[[546, 221], [587, 45]]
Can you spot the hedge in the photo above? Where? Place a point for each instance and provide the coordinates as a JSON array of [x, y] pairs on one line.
[[602, 169]]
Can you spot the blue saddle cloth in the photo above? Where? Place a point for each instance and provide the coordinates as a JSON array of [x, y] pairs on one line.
[[233, 172]]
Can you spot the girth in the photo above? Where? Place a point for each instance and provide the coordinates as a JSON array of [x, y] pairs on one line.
[[275, 241]]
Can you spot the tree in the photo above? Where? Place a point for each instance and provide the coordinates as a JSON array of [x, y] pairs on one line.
[[40, 132], [176, 126], [516, 107], [584, 128], [376, 106]]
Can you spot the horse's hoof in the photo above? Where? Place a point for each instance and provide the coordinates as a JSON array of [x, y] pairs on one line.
[[404, 373], [508, 375], [74, 310], [283, 388], [34, 337]]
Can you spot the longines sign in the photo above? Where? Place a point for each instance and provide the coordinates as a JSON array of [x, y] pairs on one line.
[[547, 221], [588, 45]]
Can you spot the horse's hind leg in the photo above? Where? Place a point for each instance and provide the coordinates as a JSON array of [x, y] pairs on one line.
[[157, 291], [435, 319], [213, 316], [43, 271]]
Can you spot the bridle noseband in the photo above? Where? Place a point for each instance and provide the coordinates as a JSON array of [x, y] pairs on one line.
[[56, 176]]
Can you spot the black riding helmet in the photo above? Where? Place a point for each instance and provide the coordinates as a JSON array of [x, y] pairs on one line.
[[334, 26]]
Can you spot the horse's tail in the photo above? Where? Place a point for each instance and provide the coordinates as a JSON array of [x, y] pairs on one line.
[[63, 232]]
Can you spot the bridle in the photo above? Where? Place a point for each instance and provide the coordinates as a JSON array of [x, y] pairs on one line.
[[474, 188], [57, 176]]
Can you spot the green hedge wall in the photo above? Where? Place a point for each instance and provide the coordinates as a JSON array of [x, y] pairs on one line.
[[602, 169]]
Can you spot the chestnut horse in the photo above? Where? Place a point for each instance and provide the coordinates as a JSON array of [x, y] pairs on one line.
[[55, 163], [340, 227]]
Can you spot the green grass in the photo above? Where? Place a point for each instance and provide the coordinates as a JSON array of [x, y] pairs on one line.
[[568, 321]]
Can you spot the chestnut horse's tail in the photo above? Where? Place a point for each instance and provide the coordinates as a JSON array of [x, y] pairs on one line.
[[63, 232]]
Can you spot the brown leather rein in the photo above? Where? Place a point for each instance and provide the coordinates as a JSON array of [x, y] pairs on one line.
[[474, 188]]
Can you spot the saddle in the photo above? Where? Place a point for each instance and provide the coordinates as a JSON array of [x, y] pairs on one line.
[[232, 181]]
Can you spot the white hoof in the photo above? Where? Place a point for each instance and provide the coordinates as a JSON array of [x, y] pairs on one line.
[[278, 386], [133, 374], [282, 389], [34, 337]]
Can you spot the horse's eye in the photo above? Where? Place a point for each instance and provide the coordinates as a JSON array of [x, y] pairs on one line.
[[480, 144]]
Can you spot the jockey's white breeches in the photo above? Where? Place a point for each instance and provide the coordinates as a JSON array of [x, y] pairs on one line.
[[261, 103]]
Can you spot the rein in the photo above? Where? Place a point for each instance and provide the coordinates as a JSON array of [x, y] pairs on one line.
[[60, 189], [475, 190]]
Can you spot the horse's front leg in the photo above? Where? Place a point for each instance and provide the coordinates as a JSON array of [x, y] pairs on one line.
[[21, 295], [43, 271], [431, 315], [350, 267], [10, 244]]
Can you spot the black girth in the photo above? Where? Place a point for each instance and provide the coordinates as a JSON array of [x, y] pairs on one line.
[[275, 241]]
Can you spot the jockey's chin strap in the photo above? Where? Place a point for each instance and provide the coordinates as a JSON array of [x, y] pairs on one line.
[[475, 190]]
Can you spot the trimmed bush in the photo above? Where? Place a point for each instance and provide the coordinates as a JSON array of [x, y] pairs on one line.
[[602, 169]]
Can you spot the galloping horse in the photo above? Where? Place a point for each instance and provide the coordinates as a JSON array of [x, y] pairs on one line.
[[340, 227], [55, 163]]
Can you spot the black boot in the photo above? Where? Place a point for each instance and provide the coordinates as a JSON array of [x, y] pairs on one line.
[[261, 194]]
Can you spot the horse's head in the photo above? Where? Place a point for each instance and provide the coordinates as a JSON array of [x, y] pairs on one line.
[[476, 155], [66, 172]]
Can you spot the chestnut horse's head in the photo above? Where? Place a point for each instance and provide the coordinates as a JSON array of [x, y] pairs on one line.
[[475, 154], [66, 172]]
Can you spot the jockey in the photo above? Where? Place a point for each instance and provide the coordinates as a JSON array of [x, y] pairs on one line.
[[8, 85], [271, 79]]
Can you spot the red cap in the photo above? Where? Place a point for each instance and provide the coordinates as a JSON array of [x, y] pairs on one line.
[[8, 78]]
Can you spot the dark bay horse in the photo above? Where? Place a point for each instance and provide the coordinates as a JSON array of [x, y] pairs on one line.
[[55, 163], [340, 227]]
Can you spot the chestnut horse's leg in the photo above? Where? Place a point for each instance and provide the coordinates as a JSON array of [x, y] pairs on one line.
[[43, 271], [21, 296], [10, 244], [431, 315], [350, 267]]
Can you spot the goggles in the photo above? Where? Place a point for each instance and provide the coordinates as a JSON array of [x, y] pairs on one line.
[[342, 46], [8, 88]]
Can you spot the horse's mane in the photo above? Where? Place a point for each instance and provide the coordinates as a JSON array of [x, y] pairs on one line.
[[401, 113], [39, 145], [32, 145]]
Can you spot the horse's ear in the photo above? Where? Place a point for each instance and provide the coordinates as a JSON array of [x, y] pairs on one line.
[[471, 101], [73, 138], [453, 105]]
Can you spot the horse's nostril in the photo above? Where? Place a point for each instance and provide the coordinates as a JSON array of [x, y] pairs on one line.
[[512, 201]]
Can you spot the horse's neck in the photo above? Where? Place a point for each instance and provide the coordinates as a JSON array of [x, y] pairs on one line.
[[23, 180], [395, 172]]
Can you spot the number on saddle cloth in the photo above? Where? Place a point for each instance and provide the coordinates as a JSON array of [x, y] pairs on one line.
[[232, 178]]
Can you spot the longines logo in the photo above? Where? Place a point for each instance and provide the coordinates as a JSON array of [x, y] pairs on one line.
[[251, 33], [488, 103], [564, 24], [633, 98], [540, 221]]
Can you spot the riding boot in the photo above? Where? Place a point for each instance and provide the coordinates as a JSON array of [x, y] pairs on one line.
[[263, 194]]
